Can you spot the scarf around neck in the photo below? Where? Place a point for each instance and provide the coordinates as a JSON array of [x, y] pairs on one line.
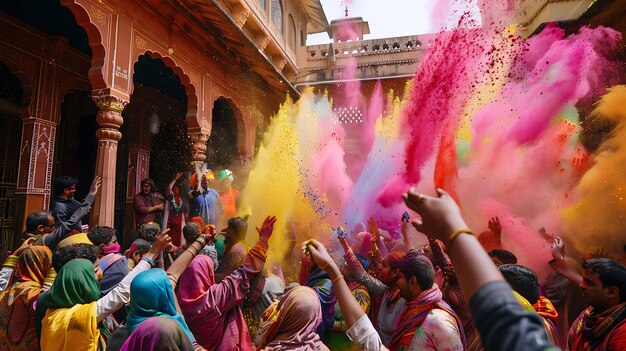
[[593, 328], [414, 315]]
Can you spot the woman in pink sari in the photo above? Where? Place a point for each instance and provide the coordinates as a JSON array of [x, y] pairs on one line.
[[212, 310]]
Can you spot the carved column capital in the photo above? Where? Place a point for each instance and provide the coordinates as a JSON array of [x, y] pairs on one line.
[[109, 102]]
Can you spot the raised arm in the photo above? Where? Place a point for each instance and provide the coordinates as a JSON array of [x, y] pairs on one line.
[[501, 321], [52, 240], [120, 295], [233, 289], [561, 264], [374, 285], [359, 326], [184, 259]]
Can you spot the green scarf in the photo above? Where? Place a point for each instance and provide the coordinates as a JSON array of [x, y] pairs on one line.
[[75, 284]]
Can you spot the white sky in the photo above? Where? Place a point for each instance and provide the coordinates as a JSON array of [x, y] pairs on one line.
[[387, 18]]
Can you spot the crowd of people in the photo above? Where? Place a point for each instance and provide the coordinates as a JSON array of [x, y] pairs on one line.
[[190, 281]]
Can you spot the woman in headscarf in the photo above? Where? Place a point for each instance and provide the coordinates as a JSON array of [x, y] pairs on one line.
[[151, 296], [158, 333], [294, 327], [314, 277], [212, 310], [17, 313], [71, 314]]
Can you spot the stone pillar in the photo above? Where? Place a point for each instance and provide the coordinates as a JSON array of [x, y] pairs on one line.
[[35, 169], [110, 120]]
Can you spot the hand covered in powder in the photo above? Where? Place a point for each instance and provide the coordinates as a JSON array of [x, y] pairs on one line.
[[318, 253], [441, 215], [266, 230]]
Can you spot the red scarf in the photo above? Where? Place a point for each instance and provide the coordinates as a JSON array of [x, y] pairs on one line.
[[414, 314]]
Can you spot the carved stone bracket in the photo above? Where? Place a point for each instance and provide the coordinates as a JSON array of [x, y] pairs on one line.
[[240, 15], [261, 40]]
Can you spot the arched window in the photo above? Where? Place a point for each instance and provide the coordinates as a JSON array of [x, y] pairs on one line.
[[277, 15], [262, 4], [291, 34]]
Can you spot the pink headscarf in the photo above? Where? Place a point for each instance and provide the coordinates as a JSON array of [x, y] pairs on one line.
[[299, 314], [212, 310]]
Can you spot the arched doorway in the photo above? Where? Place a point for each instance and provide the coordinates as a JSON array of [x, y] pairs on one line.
[[10, 144], [155, 127], [77, 145], [222, 146]]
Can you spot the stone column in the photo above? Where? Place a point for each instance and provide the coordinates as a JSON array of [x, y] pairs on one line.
[[35, 169], [109, 119]]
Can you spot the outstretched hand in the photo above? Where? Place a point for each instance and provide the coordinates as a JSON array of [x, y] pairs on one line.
[[266, 230], [318, 253], [441, 215], [344, 243], [558, 248], [95, 185], [373, 229], [495, 226], [160, 242]]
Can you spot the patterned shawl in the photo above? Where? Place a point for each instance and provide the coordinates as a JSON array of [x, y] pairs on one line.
[[17, 316], [593, 328], [414, 315]]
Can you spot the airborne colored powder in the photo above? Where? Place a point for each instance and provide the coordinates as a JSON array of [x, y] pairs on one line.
[[489, 116], [597, 220]]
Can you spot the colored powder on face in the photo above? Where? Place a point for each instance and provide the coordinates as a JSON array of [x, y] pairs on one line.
[[597, 220]]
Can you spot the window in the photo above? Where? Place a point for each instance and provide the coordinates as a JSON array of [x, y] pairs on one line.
[[291, 34], [262, 4], [277, 15]]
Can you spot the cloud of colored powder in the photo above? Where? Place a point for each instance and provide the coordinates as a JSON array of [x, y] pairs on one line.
[[598, 219]]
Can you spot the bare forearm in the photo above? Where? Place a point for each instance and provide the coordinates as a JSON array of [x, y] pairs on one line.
[[180, 264], [350, 308]]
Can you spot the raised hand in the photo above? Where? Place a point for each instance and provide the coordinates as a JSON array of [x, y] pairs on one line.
[[178, 176], [160, 242], [495, 226], [558, 248], [318, 253], [343, 243], [441, 216], [95, 185], [373, 229], [266, 230]]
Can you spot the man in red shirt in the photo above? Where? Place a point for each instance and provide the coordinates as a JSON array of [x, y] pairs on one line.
[[602, 326]]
